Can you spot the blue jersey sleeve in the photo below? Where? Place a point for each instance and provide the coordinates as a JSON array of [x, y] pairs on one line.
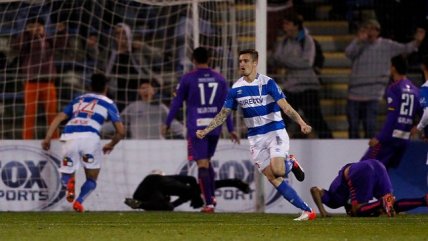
[[423, 97], [68, 110], [113, 113], [230, 101], [274, 90]]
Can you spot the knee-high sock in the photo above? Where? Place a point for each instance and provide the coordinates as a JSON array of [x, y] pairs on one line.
[[291, 195], [65, 177], [403, 205], [372, 209], [212, 176], [86, 189], [205, 184]]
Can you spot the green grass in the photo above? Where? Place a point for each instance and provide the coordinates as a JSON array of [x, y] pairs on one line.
[[127, 226]]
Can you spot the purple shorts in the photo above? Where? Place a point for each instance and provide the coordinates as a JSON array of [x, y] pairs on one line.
[[198, 149]]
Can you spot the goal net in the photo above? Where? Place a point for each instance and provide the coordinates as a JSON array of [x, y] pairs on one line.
[[49, 49]]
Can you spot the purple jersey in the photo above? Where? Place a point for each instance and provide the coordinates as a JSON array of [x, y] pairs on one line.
[[402, 99], [204, 92], [365, 180]]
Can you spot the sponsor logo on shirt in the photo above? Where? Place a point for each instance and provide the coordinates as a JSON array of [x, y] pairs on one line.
[[251, 101]]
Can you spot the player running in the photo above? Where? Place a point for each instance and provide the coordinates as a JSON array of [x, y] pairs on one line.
[[261, 101], [81, 138]]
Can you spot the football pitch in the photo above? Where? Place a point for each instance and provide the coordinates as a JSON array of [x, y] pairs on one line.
[[127, 226]]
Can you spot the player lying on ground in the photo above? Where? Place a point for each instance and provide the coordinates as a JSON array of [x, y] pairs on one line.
[[155, 191], [357, 184]]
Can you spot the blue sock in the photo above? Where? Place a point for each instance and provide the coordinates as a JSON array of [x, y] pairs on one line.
[[64, 178], [291, 195], [288, 167], [86, 189]]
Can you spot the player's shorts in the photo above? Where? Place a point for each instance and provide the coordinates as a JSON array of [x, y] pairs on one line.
[[75, 152], [198, 149], [267, 146]]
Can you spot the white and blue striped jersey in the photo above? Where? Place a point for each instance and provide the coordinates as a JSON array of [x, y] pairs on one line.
[[258, 103], [423, 101], [87, 114]]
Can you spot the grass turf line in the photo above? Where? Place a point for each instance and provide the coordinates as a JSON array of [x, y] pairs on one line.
[[189, 226]]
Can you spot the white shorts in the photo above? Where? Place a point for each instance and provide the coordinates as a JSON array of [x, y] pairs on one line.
[[267, 146], [87, 152]]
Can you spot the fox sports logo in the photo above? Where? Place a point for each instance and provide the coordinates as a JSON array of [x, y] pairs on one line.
[[30, 179], [232, 161]]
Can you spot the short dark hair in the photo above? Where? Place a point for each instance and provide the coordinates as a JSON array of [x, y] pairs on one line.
[[295, 18], [38, 20], [400, 64], [98, 82], [154, 83], [201, 55], [254, 54]]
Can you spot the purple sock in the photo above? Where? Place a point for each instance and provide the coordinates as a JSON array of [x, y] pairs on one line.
[[205, 184], [212, 176], [86, 189]]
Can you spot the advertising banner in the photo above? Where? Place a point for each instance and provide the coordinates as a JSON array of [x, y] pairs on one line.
[[30, 180]]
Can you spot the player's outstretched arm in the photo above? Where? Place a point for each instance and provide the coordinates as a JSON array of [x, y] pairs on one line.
[[60, 117], [317, 193], [292, 113], [218, 120], [119, 135]]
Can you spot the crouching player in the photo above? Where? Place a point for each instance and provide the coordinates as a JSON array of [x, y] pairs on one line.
[[357, 184]]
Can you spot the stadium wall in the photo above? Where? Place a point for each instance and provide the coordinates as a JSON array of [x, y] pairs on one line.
[[30, 179]]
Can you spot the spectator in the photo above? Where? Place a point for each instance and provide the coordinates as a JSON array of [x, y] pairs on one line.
[[276, 10], [66, 45], [39, 72], [156, 189], [142, 117], [356, 185], [370, 55], [204, 92], [296, 53], [123, 66], [389, 145]]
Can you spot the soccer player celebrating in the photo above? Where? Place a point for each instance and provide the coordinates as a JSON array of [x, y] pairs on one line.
[[204, 92], [81, 138], [261, 101], [390, 143]]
